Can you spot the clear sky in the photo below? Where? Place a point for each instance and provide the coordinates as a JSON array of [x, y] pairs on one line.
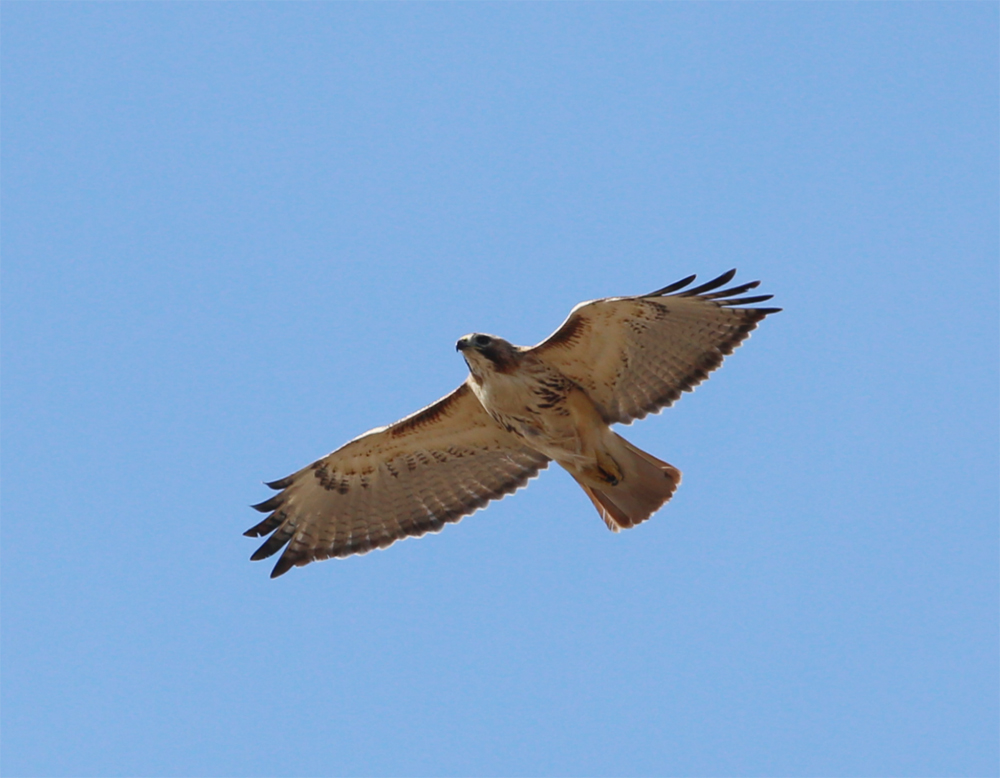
[[236, 235]]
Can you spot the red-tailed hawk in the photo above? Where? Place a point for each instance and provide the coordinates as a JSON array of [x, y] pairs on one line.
[[611, 361]]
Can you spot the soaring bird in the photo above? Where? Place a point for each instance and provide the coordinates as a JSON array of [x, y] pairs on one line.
[[612, 361]]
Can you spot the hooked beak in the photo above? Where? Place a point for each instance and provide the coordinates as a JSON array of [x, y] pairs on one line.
[[462, 345]]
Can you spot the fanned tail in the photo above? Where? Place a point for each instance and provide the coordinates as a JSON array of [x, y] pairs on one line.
[[646, 484]]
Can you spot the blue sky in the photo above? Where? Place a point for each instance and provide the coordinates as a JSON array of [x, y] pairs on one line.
[[236, 235]]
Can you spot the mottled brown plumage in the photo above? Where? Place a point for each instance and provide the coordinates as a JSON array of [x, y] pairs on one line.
[[611, 361]]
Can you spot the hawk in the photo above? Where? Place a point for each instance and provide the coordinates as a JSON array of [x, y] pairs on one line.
[[612, 361]]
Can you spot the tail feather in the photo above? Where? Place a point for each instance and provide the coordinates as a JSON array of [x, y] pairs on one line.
[[647, 483]]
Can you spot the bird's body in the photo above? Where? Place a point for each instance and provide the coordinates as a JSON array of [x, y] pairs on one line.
[[612, 361], [524, 396], [535, 401]]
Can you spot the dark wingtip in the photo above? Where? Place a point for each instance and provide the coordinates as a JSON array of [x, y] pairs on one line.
[[708, 286], [270, 504], [748, 300], [282, 534], [733, 290], [282, 566], [281, 483], [269, 524], [673, 287]]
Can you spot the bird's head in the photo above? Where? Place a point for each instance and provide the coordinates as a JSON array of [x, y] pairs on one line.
[[486, 354]]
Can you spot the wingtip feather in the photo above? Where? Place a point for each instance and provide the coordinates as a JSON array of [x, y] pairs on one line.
[[281, 567], [747, 300], [708, 286], [270, 504], [673, 287]]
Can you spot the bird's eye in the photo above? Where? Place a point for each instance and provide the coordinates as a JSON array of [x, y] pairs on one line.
[[482, 340]]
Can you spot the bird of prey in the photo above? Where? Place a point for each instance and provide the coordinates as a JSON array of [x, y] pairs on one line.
[[612, 361]]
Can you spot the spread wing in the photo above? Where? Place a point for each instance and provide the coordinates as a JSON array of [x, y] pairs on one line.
[[635, 355], [412, 477]]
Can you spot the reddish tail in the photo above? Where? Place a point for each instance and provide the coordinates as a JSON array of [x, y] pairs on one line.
[[647, 483]]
